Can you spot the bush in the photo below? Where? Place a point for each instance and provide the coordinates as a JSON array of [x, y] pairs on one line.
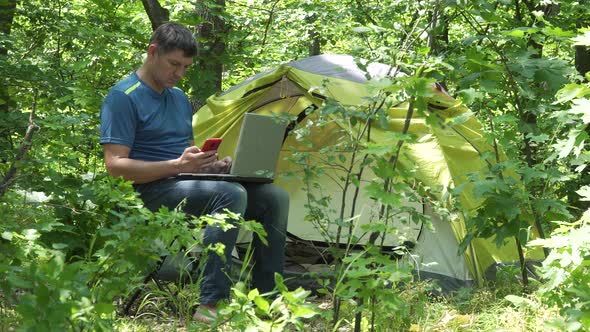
[[73, 259], [566, 273]]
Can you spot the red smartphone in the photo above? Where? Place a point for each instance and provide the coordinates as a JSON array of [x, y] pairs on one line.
[[211, 144]]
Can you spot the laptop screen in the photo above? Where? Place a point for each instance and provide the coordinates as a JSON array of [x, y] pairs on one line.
[[259, 146]]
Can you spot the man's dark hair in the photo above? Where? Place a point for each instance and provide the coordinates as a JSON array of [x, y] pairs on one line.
[[173, 36]]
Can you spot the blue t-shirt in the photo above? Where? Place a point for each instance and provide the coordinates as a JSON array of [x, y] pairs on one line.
[[155, 126]]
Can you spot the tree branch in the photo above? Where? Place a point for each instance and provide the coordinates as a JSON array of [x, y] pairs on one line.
[[269, 21], [157, 14], [365, 13], [24, 147], [517, 13]]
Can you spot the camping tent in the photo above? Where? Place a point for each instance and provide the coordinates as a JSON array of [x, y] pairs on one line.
[[441, 156]]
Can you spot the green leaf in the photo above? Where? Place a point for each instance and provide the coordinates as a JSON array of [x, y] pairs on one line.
[[380, 149], [569, 144], [19, 282], [7, 236], [468, 96], [570, 92], [542, 138], [31, 234], [262, 303], [42, 293], [104, 308], [361, 29], [558, 32], [521, 31], [239, 294], [502, 207], [59, 246], [304, 312], [543, 205], [581, 107], [583, 39], [552, 72], [520, 301], [458, 120], [585, 193], [253, 294], [529, 174], [483, 188], [280, 284], [380, 82], [421, 87], [518, 33]]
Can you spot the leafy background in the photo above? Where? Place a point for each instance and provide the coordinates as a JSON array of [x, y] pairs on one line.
[[67, 249]]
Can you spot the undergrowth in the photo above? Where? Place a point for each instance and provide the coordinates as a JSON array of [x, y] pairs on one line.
[[468, 309]]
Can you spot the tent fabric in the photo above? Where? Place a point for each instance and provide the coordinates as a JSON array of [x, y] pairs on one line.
[[437, 253], [444, 155]]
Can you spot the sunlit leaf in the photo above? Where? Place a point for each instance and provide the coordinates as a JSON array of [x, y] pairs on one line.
[[572, 91], [558, 32], [362, 29], [519, 301], [470, 95], [582, 39], [585, 193], [581, 107], [6, 235], [521, 31]]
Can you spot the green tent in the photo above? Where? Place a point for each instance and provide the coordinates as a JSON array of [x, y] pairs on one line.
[[441, 157]]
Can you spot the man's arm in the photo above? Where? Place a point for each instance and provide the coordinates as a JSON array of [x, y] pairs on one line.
[[118, 163]]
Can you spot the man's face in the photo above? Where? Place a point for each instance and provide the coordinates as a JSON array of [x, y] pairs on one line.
[[168, 68]]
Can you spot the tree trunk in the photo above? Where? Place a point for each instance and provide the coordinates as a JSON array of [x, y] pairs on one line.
[[7, 9], [314, 37], [157, 14], [582, 59], [438, 33], [11, 174], [582, 62], [211, 47]]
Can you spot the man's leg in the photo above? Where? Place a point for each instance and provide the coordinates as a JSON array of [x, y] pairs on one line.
[[269, 205], [203, 197]]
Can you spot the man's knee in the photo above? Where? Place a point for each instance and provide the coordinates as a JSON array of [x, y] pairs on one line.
[[207, 197], [270, 201], [233, 197], [278, 195]]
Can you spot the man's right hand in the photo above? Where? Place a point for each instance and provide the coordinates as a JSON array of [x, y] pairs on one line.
[[118, 163], [195, 160]]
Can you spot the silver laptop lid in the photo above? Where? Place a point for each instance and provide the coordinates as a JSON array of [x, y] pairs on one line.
[[259, 146]]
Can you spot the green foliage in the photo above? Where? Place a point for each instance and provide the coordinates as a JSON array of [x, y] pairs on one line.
[[374, 282], [70, 250], [71, 61], [369, 278], [278, 311], [507, 208], [71, 283], [565, 271], [68, 270], [71, 243]]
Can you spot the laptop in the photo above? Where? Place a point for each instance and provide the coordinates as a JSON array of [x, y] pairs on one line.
[[257, 152]]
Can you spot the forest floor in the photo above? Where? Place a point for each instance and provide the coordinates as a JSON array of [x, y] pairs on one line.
[[471, 310], [482, 309]]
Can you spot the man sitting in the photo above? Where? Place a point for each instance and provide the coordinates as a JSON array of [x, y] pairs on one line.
[[147, 138]]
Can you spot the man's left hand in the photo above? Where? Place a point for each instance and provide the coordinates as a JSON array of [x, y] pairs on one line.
[[220, 166]]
